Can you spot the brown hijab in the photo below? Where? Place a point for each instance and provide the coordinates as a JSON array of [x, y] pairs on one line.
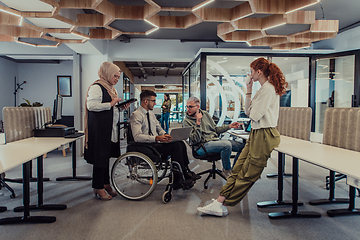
[[106, 71]]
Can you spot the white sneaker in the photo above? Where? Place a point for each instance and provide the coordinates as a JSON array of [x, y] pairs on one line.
[[226, 173], [215, 208]]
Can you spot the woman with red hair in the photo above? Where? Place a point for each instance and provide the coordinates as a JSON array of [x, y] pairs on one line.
[[263, 111]]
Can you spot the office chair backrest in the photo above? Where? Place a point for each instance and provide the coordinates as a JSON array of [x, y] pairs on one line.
[[342, 128], [19, 122], [295, 122]]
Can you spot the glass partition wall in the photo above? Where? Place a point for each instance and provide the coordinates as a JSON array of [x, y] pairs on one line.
[[334, 86], [296, 72], [225, 89]]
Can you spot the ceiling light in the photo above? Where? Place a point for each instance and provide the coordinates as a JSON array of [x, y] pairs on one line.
[[48, 57], [2, 10], [303, 7], [150, 23], [25, 43], [242, 17], [248, 43], [225, 58], [286, 59], [48, 45], [80, 35], [151, 31], [297, 48], [275, 26], [323, 31], [202, 5], [222, 61], [21, 21]]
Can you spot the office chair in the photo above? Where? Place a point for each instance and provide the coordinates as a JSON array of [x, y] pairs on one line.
[[210, 157], [4, 184]]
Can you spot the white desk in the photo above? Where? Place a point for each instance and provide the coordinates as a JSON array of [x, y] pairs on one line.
[[333, 158], [22, 152]]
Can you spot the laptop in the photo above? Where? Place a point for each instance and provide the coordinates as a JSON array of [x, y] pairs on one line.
[[179, 134]]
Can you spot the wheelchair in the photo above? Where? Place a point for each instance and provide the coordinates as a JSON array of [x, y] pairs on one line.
[[136, 173]]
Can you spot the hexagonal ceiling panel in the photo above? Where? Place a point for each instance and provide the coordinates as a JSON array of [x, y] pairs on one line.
[[276, 25]]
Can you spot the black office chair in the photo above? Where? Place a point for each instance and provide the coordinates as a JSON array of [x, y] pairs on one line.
[[210, 157], [4, 184]]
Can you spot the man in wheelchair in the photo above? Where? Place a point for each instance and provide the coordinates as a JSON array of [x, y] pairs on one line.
[[145, 128]]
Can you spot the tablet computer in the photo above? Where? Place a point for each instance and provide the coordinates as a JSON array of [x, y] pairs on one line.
[[131, 100], [247, 126]]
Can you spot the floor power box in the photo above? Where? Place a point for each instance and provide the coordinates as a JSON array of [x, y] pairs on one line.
[[54, 131]]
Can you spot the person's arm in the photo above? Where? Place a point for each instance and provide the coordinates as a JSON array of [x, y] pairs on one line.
[[196, 133], [262, 104], [94, 99], [136, 122]]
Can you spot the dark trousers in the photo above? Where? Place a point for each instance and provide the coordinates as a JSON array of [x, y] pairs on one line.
[[177, 151], [101, 175]]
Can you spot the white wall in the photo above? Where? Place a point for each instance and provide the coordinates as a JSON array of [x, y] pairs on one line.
[[155, 50], [89, 73], [348, 40], [8, 70], [41, 84]]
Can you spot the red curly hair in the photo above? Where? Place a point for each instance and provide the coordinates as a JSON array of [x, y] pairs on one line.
[[273, 74]]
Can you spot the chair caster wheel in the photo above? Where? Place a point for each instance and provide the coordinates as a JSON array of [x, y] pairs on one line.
[[166, 197], [206, 187]]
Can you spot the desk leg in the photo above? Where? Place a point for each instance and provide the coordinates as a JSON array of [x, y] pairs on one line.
[[350, 210], [19, 180], [73, 177], [26, 191], [280, 201], [294, 213], [40, 187], [331, 198], [274, 175]]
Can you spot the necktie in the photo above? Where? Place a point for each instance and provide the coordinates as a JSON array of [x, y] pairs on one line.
[[148, 118]]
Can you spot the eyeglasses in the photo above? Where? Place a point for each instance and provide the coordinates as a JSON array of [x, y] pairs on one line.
[[117, 76], [151, 100], [190, 107]]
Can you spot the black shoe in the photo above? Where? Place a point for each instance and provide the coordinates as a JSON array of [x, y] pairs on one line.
[[188, 184], [194, 176]]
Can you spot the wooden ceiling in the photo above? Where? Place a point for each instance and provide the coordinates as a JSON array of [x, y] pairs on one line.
[[279, 24]]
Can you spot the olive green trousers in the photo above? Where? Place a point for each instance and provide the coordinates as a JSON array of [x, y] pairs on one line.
[[250, 164]]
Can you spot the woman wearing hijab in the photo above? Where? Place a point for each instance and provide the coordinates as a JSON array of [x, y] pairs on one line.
[[101, 129]]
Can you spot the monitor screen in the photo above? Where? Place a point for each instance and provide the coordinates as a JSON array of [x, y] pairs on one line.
[[57, 111]]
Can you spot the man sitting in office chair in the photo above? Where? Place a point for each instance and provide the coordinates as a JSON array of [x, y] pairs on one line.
[[205, 131], [146, 129]]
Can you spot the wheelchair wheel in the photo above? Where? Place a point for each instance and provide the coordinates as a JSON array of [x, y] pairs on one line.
[[134, 176], [166, 197]]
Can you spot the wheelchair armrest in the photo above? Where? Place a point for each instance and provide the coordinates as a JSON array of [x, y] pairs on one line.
[[147, 145]]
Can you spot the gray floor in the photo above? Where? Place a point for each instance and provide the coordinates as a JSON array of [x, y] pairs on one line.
[[89, 218]]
